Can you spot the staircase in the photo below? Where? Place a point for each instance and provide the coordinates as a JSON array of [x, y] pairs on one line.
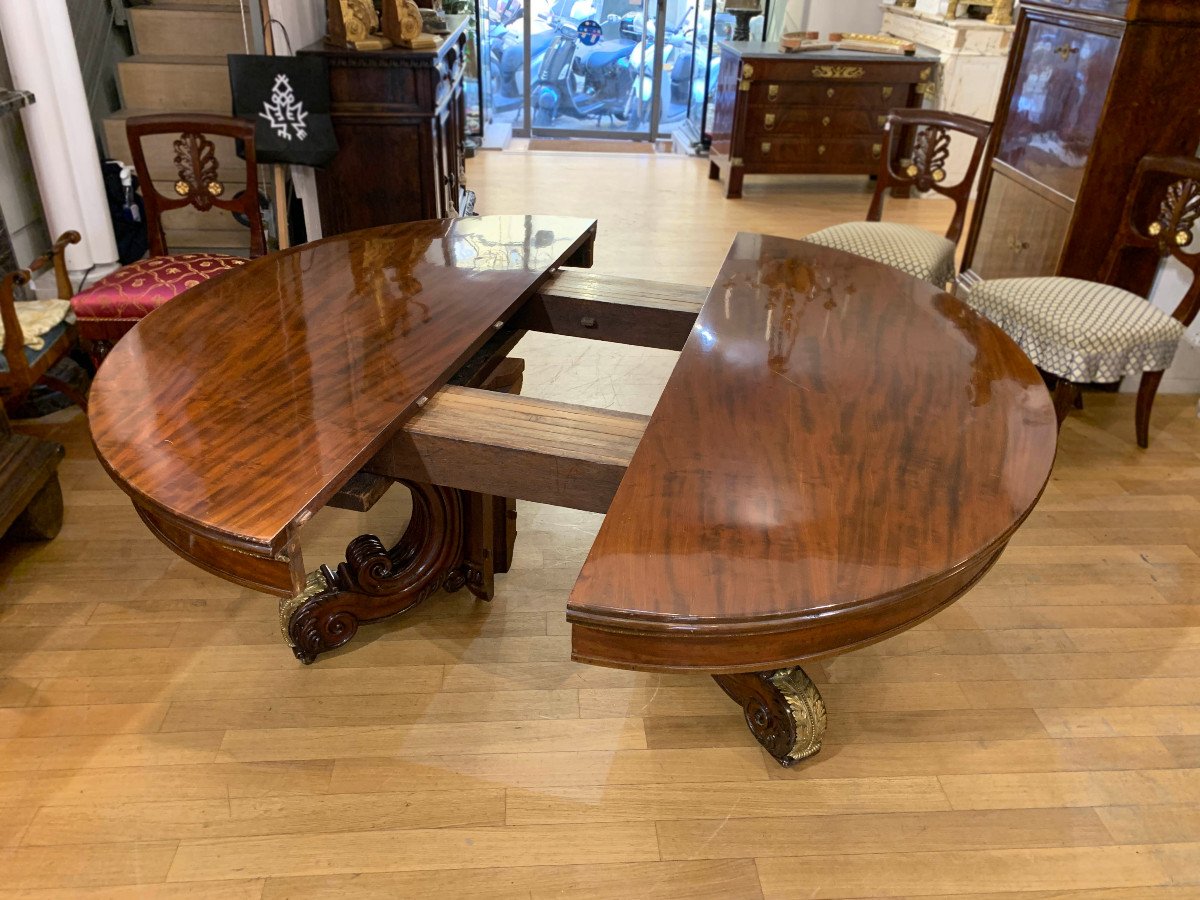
[[179, 67]]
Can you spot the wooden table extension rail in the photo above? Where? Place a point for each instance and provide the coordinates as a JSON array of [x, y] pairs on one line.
[[840, 452]]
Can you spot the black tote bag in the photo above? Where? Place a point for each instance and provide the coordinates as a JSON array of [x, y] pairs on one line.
[[288, 99]]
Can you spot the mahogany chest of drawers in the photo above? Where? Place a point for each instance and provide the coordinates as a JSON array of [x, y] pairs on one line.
[[801, 113]]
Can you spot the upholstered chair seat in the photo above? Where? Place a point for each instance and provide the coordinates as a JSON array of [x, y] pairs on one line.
[[1080, 330], [924, 134], [920, 253], [33, 355], [140, 288]]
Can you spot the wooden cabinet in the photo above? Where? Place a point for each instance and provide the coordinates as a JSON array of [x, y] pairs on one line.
[[399, 117], [796, 113], [1092, 86]]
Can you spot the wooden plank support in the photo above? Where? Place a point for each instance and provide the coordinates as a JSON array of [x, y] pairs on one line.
[[614, 309], [513, 446]]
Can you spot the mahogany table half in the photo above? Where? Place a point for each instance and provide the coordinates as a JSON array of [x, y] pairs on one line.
[[840, 452]]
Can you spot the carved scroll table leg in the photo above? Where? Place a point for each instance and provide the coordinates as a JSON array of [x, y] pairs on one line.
[[784, 710], [439, 549]]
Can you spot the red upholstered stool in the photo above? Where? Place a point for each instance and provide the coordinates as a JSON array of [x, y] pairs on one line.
[[115, 303]]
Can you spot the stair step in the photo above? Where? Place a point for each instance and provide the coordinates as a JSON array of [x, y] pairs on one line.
[[208, 4], [191, 30], [175, 83], [160, 151]]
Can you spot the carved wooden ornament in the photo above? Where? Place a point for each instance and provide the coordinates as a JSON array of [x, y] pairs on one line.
[[196, 157]]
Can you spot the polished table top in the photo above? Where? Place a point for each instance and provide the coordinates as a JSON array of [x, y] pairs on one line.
[[238, 408], [840, 451], [835, 434]]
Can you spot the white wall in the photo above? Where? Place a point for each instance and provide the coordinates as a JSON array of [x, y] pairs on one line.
[[833, 15]]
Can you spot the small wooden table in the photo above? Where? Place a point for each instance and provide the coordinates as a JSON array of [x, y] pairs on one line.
[[841, 451]]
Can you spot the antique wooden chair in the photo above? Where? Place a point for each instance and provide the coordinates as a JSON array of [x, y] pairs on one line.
[[116, 303], [29, 357], [1079, 332], [914, 250]]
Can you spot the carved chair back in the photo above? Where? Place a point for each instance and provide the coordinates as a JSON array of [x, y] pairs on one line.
[[1160, 220], [199, 183], [915, 154]]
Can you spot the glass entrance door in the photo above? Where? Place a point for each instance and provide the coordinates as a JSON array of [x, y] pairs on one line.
[[590, 68]]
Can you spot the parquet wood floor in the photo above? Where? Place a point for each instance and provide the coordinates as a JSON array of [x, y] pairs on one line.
[[1039, 739]]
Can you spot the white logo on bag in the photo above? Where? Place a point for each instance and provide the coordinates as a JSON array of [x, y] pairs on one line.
[[284, 112]]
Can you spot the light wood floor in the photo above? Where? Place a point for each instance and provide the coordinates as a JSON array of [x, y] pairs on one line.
[[1040, 738]]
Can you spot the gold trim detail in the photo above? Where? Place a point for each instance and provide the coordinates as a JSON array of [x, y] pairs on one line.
[[887, 93], [315, 584], [747, 77], [807, 709], [843, 73], [925, 73]]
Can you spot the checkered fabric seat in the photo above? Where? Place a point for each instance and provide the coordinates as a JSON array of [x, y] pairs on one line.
[[1078, 330], [918, 252]]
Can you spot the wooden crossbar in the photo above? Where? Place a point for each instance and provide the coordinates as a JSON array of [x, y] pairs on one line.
[[614, 309], [513, 446]]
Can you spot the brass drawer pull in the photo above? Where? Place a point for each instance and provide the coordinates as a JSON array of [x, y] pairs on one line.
[[769, 121], [1017, 246], [766, 147], [887, 93], [1066, 50], [876, 151], [772, 92], [821, 150], [829, 93], [825, 121]]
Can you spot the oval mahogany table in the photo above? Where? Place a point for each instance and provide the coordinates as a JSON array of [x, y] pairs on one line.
[[840, 452]]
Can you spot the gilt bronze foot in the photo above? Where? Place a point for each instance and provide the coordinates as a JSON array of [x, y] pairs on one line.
[[450, 543], [784, 710]]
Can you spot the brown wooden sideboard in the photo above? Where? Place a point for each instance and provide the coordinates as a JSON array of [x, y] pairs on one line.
[[801, 113], [399, 116], [1092, 86]]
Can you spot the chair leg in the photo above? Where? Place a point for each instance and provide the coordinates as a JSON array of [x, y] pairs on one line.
[[1064, 395], [67, 390], [1145, 401]]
